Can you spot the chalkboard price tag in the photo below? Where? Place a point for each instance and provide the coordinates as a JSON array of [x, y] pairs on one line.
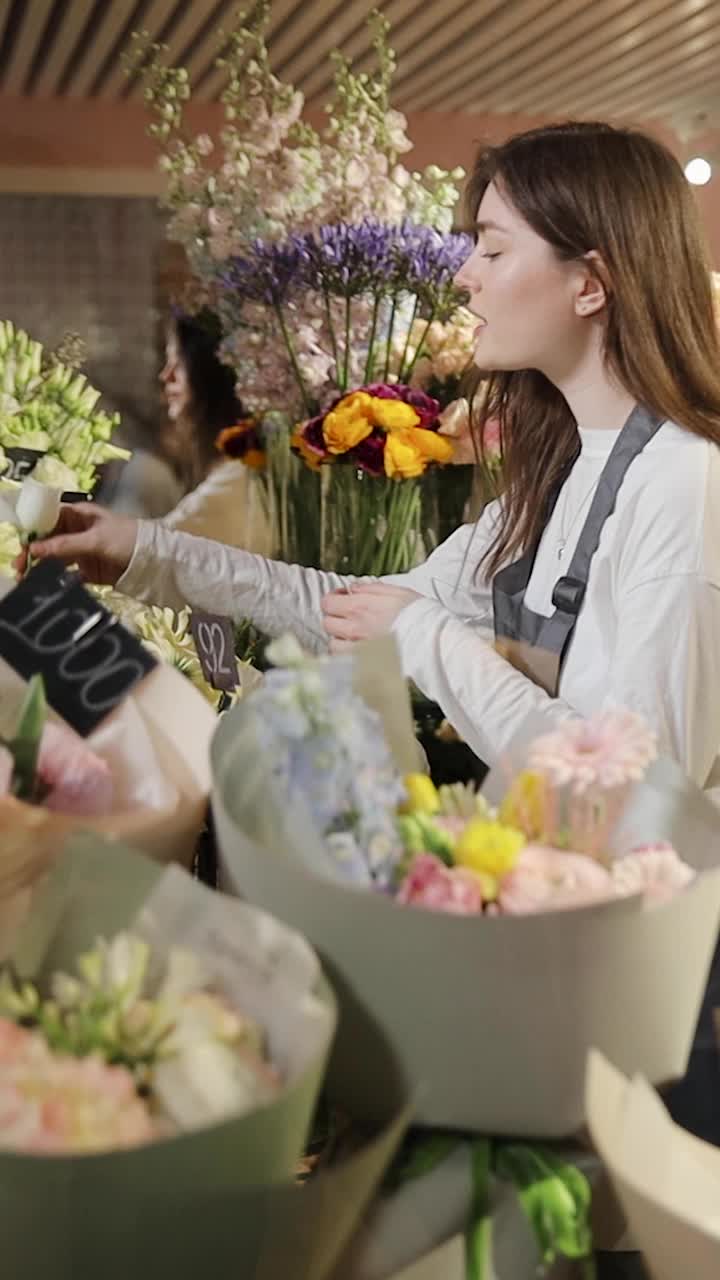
[[22, 462], [214, 638], [49, 624]]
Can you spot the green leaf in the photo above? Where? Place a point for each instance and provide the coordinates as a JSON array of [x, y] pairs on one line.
[[25, 745], [555, 1196]]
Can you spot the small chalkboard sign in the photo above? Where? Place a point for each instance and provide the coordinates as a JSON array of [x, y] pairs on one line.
[[22, 462], [214, 638], [49, 624], [71, 496]]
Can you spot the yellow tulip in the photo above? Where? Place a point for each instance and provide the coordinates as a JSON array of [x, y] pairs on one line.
[[422, 796], [393, 415]]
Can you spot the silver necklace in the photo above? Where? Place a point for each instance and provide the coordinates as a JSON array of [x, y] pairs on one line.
[[565, 533]]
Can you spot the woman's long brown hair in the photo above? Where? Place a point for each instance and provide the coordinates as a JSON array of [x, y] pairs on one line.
[[585, 187]]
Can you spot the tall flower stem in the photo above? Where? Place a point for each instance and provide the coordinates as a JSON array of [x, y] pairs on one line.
[[418, 349], [293, 358], [371, 340], [401, 370], [391, 326], [348, 318], [331, 330]]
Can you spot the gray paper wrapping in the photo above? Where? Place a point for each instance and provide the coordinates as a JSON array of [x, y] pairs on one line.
[[220, 1198], [492, 1018]]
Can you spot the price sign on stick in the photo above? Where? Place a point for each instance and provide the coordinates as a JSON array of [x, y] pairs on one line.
[[49, 624], [214, 638]]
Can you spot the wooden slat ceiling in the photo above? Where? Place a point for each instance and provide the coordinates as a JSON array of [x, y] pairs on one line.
[[626, 59]]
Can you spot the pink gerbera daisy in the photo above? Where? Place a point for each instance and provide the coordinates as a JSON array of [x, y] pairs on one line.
[[608, 750]]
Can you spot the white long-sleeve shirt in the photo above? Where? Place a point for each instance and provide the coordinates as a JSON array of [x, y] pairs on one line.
[[648, 633]]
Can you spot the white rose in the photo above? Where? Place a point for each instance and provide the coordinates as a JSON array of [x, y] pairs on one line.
[[37, 508]]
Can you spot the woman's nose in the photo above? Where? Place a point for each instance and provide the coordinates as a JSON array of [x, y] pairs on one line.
[[165, 373], [465, 278]]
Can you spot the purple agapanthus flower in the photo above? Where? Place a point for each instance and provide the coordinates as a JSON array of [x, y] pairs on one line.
[[268, 273], [347, 259]]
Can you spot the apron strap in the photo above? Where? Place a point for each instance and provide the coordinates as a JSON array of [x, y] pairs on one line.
[[639, 429]]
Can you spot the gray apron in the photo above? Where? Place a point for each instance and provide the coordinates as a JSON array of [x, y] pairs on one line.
[[537, 645]]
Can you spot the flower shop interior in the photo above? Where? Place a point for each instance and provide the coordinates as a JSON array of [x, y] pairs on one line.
[[359, 762]]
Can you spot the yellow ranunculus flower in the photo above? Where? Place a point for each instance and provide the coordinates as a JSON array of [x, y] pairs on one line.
[[422, 796], [525, 805], [356, 402], [432, 446], [403, 460], [344, 428], [393, 415], [490, 849]]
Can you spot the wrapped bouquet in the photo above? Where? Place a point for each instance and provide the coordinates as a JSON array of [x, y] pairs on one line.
[[158, 1087], [550, 886]]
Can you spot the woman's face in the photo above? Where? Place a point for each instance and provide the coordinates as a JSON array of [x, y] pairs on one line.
[[174, 379], [525, 298]]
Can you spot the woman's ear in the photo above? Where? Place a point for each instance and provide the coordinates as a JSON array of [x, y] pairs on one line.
[[593, 285]]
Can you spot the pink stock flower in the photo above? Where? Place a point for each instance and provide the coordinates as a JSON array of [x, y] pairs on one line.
[[432, 885], [79, 782], [654, 870], [608, 750], [52, 1104], [545, 879]]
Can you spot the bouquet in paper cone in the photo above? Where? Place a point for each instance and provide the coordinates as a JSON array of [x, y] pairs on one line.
[[301, 836], [667, 1181], [158, 1087]]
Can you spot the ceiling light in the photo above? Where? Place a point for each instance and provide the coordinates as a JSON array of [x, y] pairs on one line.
[[698, 171]]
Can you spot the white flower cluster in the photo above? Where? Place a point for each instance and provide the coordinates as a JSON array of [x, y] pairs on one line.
[[276, 175], [167, 635]]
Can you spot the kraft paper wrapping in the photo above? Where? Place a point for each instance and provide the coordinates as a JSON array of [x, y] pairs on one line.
[[492, 1018], [219, 1201], [667, 1181], [157, 744]]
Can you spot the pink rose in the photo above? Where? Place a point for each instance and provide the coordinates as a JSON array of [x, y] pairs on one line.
[[432, 885], [654, 870], [79, 782], [545, 879]]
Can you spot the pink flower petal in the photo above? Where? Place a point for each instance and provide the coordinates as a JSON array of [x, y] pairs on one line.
[[545, 879]]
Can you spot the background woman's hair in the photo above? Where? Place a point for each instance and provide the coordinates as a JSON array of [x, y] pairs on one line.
[[585, 187], [213, 402]]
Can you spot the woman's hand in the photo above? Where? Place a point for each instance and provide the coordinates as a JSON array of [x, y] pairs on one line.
[[98, 542], [367, 609]]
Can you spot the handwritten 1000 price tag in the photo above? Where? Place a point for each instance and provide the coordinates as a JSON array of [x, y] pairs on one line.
[[49, 624], [214, 638]]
